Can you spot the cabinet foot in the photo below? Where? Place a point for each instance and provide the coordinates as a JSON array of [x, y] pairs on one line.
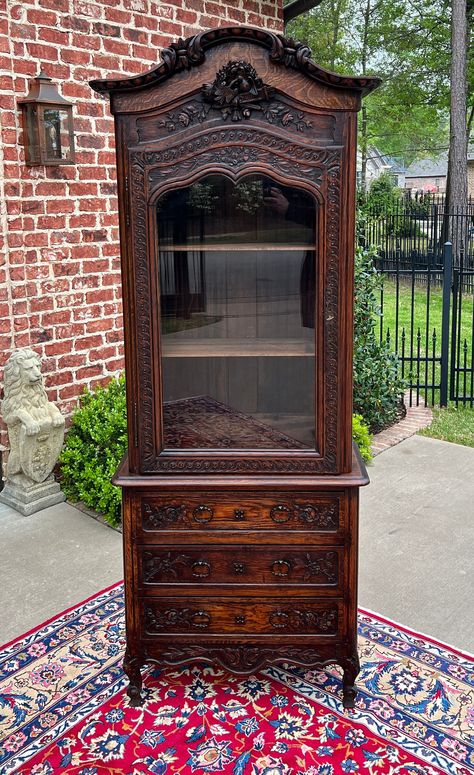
[[351, 667], [131, 666]]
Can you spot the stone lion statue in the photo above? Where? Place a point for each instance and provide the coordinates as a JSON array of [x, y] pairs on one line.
[[35, 425]]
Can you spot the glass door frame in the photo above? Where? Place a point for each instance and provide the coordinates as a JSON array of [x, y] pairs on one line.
[[262, 459]]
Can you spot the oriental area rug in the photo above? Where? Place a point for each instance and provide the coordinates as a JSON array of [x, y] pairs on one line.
[[63, 708]]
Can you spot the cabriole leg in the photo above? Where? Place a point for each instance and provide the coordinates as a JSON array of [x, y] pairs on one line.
[[131, 666], [351, 667]]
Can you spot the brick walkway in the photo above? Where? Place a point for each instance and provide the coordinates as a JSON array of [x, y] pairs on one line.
[[417, 417]]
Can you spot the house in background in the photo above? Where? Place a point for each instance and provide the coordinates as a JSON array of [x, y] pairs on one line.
[[377, 165], [470, 171], [430, 175]]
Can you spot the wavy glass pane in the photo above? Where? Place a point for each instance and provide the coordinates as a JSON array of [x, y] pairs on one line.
[[237, 305]]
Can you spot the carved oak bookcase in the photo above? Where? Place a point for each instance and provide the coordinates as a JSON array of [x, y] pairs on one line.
[[236, 169]]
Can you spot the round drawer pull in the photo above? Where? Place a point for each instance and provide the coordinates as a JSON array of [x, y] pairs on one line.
[[203, 514], [279, 620], [239, 567], [201, 569], [239, 514], [280, 514], [200, 619], [281, 568]]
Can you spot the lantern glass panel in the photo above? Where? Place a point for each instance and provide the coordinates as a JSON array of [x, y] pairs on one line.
[[32, 140], [56, 134]]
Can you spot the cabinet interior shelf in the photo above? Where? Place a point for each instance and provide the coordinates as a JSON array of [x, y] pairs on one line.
[[232, 348], [234, 247]]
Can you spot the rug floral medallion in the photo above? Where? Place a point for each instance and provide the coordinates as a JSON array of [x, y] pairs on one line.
[[63, 708]]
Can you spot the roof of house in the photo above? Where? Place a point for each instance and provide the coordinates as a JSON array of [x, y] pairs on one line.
[[435, 167], [429, 168]]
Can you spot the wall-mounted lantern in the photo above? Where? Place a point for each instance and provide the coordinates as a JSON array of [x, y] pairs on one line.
[[47, 124]]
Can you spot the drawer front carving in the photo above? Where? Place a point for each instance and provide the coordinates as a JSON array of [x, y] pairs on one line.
[[243, 616], [241, 565], [312, 511]]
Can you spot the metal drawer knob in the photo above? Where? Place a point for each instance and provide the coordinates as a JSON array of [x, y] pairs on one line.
[[203, 514], [280, 513], [281, 568], [201, 569], [239, 514], [239, 567], [240, 619], [200, 619]]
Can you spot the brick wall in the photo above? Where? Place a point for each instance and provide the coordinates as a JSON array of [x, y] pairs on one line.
[[59, 252], [418, 184]]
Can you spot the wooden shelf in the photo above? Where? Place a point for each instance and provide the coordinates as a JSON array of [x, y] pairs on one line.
[[233, 348], [233, 247]]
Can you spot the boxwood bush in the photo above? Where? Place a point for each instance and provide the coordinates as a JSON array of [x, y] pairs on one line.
[[362, 437], [95, 444], [378, 387]]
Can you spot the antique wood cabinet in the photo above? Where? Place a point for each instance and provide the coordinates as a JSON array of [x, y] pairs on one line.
[[236, 170]]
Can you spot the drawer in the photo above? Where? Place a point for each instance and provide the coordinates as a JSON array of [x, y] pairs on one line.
[[241, 616], [242, 565], [322, 513]]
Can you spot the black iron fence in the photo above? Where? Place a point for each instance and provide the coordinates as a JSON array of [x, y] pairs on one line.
[[412, 230], [427, 316]]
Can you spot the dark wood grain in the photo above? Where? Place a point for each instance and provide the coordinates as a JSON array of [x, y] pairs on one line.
[[196, 616], [239, 557], [241, 565]]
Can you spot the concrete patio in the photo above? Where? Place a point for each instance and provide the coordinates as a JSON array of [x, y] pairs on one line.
[[416, 559]]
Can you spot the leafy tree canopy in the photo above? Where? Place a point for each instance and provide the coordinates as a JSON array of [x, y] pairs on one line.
[[407, 43]]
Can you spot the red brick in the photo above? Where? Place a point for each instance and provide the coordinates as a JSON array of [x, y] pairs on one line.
[[88, 42], [60, 206], [76, 23], [87, 343], [42, 52], [53, 36], [57, 348], [75, 57]]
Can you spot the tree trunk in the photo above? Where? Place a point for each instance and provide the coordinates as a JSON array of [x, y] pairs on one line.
[[363, 122], [456, 192]]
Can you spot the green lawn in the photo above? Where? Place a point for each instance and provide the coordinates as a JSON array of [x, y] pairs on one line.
[[421, 319], [425, 318], [451, 424]]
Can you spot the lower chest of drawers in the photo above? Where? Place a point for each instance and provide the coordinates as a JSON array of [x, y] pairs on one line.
[[241, 565]]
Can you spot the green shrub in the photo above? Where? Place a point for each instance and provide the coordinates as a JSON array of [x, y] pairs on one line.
[[362, 437], [94, 447], [377, 385]]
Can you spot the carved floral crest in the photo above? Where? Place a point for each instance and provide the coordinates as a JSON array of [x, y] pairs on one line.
[[237, 91]]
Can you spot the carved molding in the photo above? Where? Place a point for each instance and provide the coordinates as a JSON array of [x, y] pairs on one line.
[[163, 566], [246, 659], [185, 54], [320, 167], [299, 620], [324, 516], [318, 515], [163, 516], [175, 618], [236, 91]]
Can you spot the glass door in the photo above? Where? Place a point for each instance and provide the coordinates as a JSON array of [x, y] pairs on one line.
[[237, 284]]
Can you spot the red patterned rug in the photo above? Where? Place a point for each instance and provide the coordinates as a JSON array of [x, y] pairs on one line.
[[63, 708]]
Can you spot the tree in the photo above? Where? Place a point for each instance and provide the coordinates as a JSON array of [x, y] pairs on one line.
[[457, 159], [407, 43]]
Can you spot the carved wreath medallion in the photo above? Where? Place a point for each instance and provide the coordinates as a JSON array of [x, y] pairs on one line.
[[237, 91]]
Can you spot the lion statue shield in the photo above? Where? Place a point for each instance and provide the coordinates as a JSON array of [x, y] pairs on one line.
[[35, 425]]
